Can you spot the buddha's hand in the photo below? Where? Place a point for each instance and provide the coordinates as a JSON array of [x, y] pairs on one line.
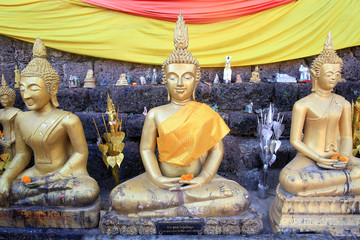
[[195, 183], [4, 192], [166, 182], [45, 180], [330, 163]]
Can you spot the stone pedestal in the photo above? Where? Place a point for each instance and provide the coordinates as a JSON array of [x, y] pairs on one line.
[[247, 223], [338, 215], [51, 217]]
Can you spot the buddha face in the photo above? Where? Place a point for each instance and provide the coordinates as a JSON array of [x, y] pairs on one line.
[[34, 93], [180, 80], [329, 76], [5, 101]]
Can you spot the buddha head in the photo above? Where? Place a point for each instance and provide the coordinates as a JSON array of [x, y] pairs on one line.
[[40, 68], [326, 69], [7, 95], [181, 71]]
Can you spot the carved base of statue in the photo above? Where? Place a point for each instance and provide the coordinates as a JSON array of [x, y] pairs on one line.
[[50, 216], [338, 215], [89, 84], [249, 222]]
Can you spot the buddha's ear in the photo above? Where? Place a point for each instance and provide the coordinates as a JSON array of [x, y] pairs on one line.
[[53, 92], [313, 79]]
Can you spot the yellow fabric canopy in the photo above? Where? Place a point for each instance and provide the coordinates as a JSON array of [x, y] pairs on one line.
[[291, 31]]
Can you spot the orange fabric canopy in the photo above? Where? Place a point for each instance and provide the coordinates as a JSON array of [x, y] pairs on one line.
[[194, 11]]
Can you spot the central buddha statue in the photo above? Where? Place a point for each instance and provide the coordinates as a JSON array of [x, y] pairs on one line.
[[57, 140], [182, 180]]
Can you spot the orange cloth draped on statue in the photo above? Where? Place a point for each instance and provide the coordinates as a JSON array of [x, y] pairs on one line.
[[189, 133]]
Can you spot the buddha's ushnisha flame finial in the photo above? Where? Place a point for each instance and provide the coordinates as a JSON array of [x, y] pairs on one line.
[[181, 55], [181, 39], [3, 81], [39, 50], [328, 42]]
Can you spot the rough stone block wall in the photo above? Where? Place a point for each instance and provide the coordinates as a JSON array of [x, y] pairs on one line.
[[241, 161]]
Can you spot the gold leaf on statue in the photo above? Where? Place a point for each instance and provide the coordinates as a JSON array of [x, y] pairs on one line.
[[119, 158], [103, 148], [111, 160]]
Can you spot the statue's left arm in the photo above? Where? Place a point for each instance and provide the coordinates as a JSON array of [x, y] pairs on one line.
[[345, 148], [209, 169]]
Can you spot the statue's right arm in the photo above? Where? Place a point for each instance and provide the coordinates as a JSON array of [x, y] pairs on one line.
[[17, 165], [297, 126], [147, 152]]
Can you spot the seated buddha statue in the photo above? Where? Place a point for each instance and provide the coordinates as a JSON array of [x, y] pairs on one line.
[[7, 118], [324, 120], [57, 141], [182, 180]]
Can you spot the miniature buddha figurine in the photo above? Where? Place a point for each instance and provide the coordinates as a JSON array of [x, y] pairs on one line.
[[325, 119], [57, 140], [122, 80], [7, 117], [255, 76], [17, 77], [153, 78], [188, 136], [89, 81]]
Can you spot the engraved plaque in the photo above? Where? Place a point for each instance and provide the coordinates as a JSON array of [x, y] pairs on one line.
[[180, 227]]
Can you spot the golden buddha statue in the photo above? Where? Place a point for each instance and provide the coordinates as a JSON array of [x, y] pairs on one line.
[[182, 181], [356, 126], [17, 77], [324, 170], [122, 80], [89, 81], [59, 176], [255, 76], [7, 118]]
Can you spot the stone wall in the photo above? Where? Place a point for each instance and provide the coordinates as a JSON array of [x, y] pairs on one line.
[[241, 161]]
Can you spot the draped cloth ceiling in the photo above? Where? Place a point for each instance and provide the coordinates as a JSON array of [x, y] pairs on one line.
[[197, 11], [287, 31]]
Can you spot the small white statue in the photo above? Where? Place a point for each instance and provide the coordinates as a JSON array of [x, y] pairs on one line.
[[227, 70], [145, 111], [142, 80], [285, 78], [153, 78], [249, 107], [304, 74], [216, 80]]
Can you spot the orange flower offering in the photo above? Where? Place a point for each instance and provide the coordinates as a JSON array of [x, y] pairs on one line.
[[26, 179], [340, 158], [350, 167], [187, 177], [343, 159], [1, 134]]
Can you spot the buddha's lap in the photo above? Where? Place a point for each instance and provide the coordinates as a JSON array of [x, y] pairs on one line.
[[140, 191], [302, 174], [82, 188]]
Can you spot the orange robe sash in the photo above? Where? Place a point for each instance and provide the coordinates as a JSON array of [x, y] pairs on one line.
[[190, 133]]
